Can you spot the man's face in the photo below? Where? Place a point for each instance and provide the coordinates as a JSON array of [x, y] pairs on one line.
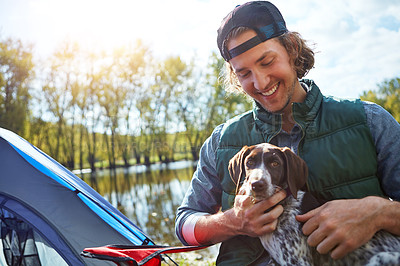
[[266, 73]]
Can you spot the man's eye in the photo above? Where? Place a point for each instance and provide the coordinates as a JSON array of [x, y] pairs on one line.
[[267, 63], [244, 75]]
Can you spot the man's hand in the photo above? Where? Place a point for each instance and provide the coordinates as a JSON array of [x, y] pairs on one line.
[[252, 218], [245, 218], [342, 226]]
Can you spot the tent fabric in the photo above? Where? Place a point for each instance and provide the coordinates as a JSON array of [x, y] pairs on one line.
[[135, 255], [56, 171], [11, 207], [18, 243], [58, 205]]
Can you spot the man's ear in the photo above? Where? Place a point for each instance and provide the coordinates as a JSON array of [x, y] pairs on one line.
[[236, 165], [296, 171]]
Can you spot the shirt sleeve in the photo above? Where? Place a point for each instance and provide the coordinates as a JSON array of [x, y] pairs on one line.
[[385, 131], [204, 193]]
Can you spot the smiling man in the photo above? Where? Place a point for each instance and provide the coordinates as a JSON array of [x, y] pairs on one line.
[[266, 74], [348, 145]]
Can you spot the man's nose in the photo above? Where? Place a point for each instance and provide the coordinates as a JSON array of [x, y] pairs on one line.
[[261, 80]]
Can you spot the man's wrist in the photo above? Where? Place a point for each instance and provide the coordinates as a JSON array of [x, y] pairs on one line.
[[385, 214], [215, 228], [390, 216], [189, 227]]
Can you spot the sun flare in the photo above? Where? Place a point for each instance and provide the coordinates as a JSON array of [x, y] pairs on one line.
[[99, 24]]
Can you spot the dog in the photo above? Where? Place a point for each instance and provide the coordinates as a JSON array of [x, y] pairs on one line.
[[260, 171]]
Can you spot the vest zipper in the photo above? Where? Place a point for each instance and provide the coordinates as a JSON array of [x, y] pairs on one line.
[[276, 132], [299, 147]]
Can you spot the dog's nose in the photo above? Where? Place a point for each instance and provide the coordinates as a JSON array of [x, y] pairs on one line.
[[258, 186]]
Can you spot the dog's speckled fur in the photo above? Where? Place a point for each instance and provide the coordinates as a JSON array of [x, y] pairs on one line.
[[287, 245]]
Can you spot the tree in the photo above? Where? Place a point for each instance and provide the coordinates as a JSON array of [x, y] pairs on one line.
[[387, 95], [16, 71], [111, 99], [147, 126], [90, 110], [114, 90], [192, 111], [221, 104], [60, 90], [172, 80], [135, 63], [204, 104]]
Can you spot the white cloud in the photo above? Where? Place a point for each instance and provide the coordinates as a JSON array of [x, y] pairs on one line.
[[355, 51]]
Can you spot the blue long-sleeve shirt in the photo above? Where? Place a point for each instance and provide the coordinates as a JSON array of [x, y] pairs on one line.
[[204, 193]]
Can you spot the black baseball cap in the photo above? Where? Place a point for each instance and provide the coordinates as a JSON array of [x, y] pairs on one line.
[[261, 16]]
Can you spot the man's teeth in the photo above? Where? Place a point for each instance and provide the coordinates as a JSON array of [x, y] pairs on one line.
[[271, 91]]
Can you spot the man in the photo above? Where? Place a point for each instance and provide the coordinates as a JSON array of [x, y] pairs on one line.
[[350, 148]]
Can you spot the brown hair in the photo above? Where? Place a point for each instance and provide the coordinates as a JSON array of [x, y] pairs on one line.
[[301, 56]]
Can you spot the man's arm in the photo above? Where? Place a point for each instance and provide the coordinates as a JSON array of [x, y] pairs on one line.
[[204, 193], [341, 226]]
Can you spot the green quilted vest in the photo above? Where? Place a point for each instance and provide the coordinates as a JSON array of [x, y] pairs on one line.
[[336, 144]]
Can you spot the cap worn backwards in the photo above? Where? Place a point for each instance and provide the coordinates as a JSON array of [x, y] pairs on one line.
[[261, 16]]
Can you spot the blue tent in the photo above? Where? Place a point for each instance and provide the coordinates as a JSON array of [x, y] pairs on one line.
[[48, 214]]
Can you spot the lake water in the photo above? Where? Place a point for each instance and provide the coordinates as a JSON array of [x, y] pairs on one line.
[[149, 197]]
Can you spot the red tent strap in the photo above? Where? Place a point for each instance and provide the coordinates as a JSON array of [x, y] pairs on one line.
[[148, 255]]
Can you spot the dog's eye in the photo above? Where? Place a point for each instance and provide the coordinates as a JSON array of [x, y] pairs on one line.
[[274, 164], [250, 163]]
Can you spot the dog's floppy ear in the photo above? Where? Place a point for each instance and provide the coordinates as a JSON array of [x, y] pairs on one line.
[[236, 165], [296, 171]]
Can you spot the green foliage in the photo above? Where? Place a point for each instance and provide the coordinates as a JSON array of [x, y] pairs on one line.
[[98, 109], [222, 105], [16, 71], [387, 95]]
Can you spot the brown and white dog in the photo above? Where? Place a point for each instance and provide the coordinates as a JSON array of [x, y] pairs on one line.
[[259, 171]]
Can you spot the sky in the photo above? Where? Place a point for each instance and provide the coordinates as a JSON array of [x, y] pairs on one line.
[[357, 42]]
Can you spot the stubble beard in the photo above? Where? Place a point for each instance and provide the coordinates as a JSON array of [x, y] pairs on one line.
[[288, 101]]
